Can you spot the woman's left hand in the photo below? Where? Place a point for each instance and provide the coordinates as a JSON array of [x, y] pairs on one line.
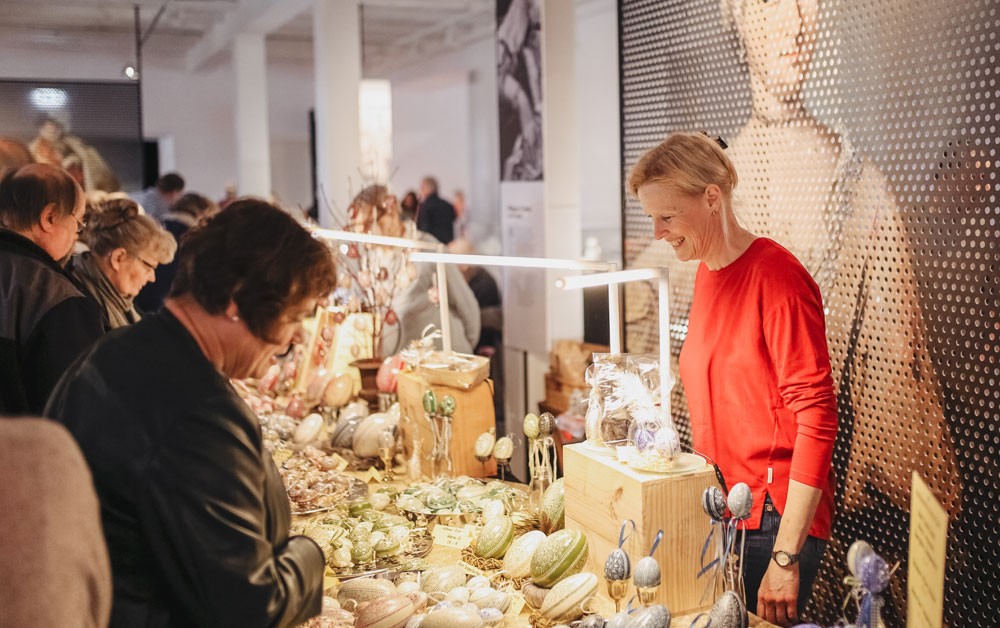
[[777, 598]]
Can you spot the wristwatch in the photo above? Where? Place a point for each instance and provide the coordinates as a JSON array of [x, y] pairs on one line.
[[784, 559]]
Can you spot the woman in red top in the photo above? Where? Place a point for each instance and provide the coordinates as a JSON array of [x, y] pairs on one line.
[[755, 367]]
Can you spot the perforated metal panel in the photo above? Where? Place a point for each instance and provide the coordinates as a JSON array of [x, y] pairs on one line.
[[865, 138]]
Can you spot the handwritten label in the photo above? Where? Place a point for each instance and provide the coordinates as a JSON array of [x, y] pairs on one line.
[[928, 548], [516, 604], [470, 570], [450, 536], [281, 455]]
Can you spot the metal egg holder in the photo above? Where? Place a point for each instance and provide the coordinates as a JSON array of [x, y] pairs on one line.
[[726, 567], [646, 578], [439, 416], [538, 430]]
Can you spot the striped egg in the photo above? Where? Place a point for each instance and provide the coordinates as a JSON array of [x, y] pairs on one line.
[[546, 424], [713, 502], [364, 590], [452, 618], [495, 538], [618, 566], [560, 555], [656, 616], [499, 600], [389, 612], [442, 579], [566, 599], [740, 501], [343, 437], [517, 560], [647, 572], [553, 508]]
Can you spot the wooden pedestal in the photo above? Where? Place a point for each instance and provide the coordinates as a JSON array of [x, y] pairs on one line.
[[601, 493], [473, 415]]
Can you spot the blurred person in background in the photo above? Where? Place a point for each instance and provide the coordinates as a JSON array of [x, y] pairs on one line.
[[125, 249], [45, 319], [190, 211], [435, 215], [157, 200], [13, 154], [408, 206]]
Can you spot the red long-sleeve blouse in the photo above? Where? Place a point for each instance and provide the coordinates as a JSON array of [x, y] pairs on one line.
[[756, 371]]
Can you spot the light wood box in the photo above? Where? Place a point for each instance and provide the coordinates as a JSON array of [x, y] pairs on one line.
[[474, 415], [601, 493]]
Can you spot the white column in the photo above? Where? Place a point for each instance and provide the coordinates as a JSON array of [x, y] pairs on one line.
[[337, 55], [253, 149]]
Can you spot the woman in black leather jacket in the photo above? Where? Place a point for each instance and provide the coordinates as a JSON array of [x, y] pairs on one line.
[[194, 511]]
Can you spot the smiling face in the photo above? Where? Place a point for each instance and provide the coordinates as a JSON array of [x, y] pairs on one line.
[[779, 37], [684, 221]]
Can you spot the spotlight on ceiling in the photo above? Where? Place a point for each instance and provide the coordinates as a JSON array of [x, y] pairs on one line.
[[48, 98], [130, 72]]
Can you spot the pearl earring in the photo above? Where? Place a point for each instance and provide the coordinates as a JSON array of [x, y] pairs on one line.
[[236, 319]]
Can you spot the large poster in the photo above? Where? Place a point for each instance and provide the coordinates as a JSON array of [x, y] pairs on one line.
[[864, 137], [519, 83]]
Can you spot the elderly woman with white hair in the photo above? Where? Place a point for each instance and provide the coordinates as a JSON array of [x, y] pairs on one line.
[[125, 246]]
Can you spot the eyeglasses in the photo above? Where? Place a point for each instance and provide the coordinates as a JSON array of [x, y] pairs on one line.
[[151, 267], [80, 224]]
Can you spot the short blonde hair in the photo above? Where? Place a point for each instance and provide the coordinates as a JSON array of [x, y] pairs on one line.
[[688, 162], [117, 224]]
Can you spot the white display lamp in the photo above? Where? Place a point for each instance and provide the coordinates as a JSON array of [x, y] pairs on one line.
[[612, 280]]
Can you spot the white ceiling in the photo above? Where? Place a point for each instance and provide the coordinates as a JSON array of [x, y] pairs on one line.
[[392, 30]]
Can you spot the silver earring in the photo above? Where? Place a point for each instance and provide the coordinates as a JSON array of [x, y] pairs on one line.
[[714, 212], [236, 319]]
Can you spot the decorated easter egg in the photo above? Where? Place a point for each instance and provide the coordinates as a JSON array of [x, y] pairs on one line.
[[546, 425], [341, 557], [366, 436], [364, 590], [362, 552], [517, 560], [407, 587], [740, 501], [385, 378], [534, 595], [491, 616], [531, 425], [471, 491], [643, 439], [495, 538], [667, 442], [437, 499], [478, 582], [619, 620], [452, 618], [269, 381], [493, 509], [553, 510], [376, 537], [729, 612], [592, 621], [560, 555], [458, 594], [387, 547], [448, 405], [480, 596], [647, 572], [566, 599], [504, 448], [484, 445], [343, 437], [338, 390], [857, 551], [469, 606], [442, 579], [415, 621], [656, 616], [296, 408], [430, 402], [419, 598], [354, 408], [499, 600], [618, 566], [308, 429], [380, 501], [873, 573], [388, 612], [713, 502]]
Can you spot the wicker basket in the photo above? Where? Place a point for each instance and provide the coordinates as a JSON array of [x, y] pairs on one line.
[[482, 564]]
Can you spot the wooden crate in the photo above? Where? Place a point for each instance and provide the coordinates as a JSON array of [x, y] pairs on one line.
[[473, 416], [601, 493], [557, 393]]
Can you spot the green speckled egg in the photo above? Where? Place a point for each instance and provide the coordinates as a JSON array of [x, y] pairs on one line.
[[531, 425], [558, 556], [389, 546], [495, 538], [553, 516], [504, 448], [439, 500], [362, 552], [355, 508], [565, 601], [448, 405], [430, 401]]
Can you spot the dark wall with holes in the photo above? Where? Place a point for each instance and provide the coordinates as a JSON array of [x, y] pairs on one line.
[[865, 138]]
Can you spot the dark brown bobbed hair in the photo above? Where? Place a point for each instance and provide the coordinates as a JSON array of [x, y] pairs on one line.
[[253, 254], [25, 192]]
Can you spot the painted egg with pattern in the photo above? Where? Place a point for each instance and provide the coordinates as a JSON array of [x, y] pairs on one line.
[[364, 590], [380, 501], [729, 612], [419, 598], [458, 594], [656, 616], [643, 439], [480, 596], [647, 572], [478, 582], [618, 566], [713, 502], [504, 448], [517, 560], [667, 443], [492, 509], [472, 491], [343, 437], [363, 551], [448, 405], [553, 510], [566, 599], [495, 538], [365, 443], [308, 429], [619, 620], [388, 612], [407, 587], [452, 618], [560, 555], [857, 551], [740, 501], [592, 621], [430, 402], [546, 425], [437, 499], [491, 616], [499, 600], [388, 546], [484, 445], [442, 579], [531, 425]]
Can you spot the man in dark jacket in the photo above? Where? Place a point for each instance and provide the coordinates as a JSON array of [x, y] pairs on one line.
[[435, 215], [45, 321]]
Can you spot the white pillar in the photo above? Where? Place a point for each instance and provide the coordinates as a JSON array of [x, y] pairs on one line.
[[337, 55], [253, 149]]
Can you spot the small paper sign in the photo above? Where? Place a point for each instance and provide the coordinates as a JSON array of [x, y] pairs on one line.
[[450, 536], [374, 475], [928, 557], [516, 604], [281, 455], [341, 463], [469, 569]]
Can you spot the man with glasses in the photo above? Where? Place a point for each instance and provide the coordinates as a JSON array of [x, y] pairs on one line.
[[45, 320]]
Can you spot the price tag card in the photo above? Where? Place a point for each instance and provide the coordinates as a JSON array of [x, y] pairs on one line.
[[470, 569], [472, 531], [516, 604], [341, 463], [374, 475], [450, 536], [281, 455]]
